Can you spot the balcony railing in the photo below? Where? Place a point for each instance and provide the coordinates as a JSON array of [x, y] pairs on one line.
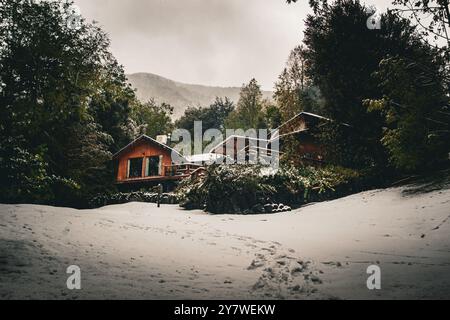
[[179, 170]]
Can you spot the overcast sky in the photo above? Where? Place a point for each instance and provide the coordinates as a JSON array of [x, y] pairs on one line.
[[211, 42]]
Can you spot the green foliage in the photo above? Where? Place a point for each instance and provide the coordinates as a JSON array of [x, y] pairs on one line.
[[294, 92], [154, 119], [415, 110], [244, 188], [249, 113], [25, 178], [273, 116], [66, 96], [342, 57], [343, 146], [225, 189], [112, 106], [299, 185], [88, 162], [212, 117], [138, 196]]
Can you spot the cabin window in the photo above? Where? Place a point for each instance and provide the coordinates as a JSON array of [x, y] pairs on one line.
[[153, 166], [135, 167]]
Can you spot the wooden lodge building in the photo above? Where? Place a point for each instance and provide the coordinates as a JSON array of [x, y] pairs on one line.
[[300, 128], [147, 161]]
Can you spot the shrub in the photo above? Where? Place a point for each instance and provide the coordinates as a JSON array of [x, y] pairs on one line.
[[225, 189], [139, 196], [247, 189], [25, 178]]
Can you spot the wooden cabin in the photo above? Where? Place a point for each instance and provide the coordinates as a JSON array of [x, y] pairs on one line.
[[145, 160], [241, 148], [304, 121], [148, 161], [299, 129]]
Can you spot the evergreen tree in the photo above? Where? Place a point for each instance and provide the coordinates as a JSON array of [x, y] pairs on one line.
[[249, 113], [64, 104], [294, 92], [212, 117], [343, 55], [153, 119], [416, 108]]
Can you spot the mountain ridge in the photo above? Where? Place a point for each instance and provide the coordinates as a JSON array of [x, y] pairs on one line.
[[178, 94]]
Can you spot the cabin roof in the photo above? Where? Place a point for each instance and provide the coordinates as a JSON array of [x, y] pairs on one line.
[[147, 139], [307, 114], [274, 133], [236, 137], [301, 114]]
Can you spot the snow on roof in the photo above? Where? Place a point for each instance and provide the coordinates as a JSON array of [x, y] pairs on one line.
[[303, 114], [238, 137], [309, 114], [315, 115], [205, 157]]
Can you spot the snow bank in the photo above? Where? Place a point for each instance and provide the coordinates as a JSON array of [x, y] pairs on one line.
[[137, 251]]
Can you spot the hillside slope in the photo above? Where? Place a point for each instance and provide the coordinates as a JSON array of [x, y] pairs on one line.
[[180, 95]]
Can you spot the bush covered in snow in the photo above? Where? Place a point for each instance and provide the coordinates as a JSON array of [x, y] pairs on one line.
[[139, 196], [225, 189], [245, 189], [25, 177]]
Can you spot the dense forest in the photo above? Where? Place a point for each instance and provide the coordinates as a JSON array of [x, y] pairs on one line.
[[66, 105]]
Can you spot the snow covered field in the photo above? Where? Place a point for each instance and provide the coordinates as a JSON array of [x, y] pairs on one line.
[[137, 251]]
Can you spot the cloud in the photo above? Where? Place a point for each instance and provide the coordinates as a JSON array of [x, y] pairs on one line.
[[212, 42]]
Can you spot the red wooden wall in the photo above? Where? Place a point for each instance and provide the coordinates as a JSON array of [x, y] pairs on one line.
[[141, 149]]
